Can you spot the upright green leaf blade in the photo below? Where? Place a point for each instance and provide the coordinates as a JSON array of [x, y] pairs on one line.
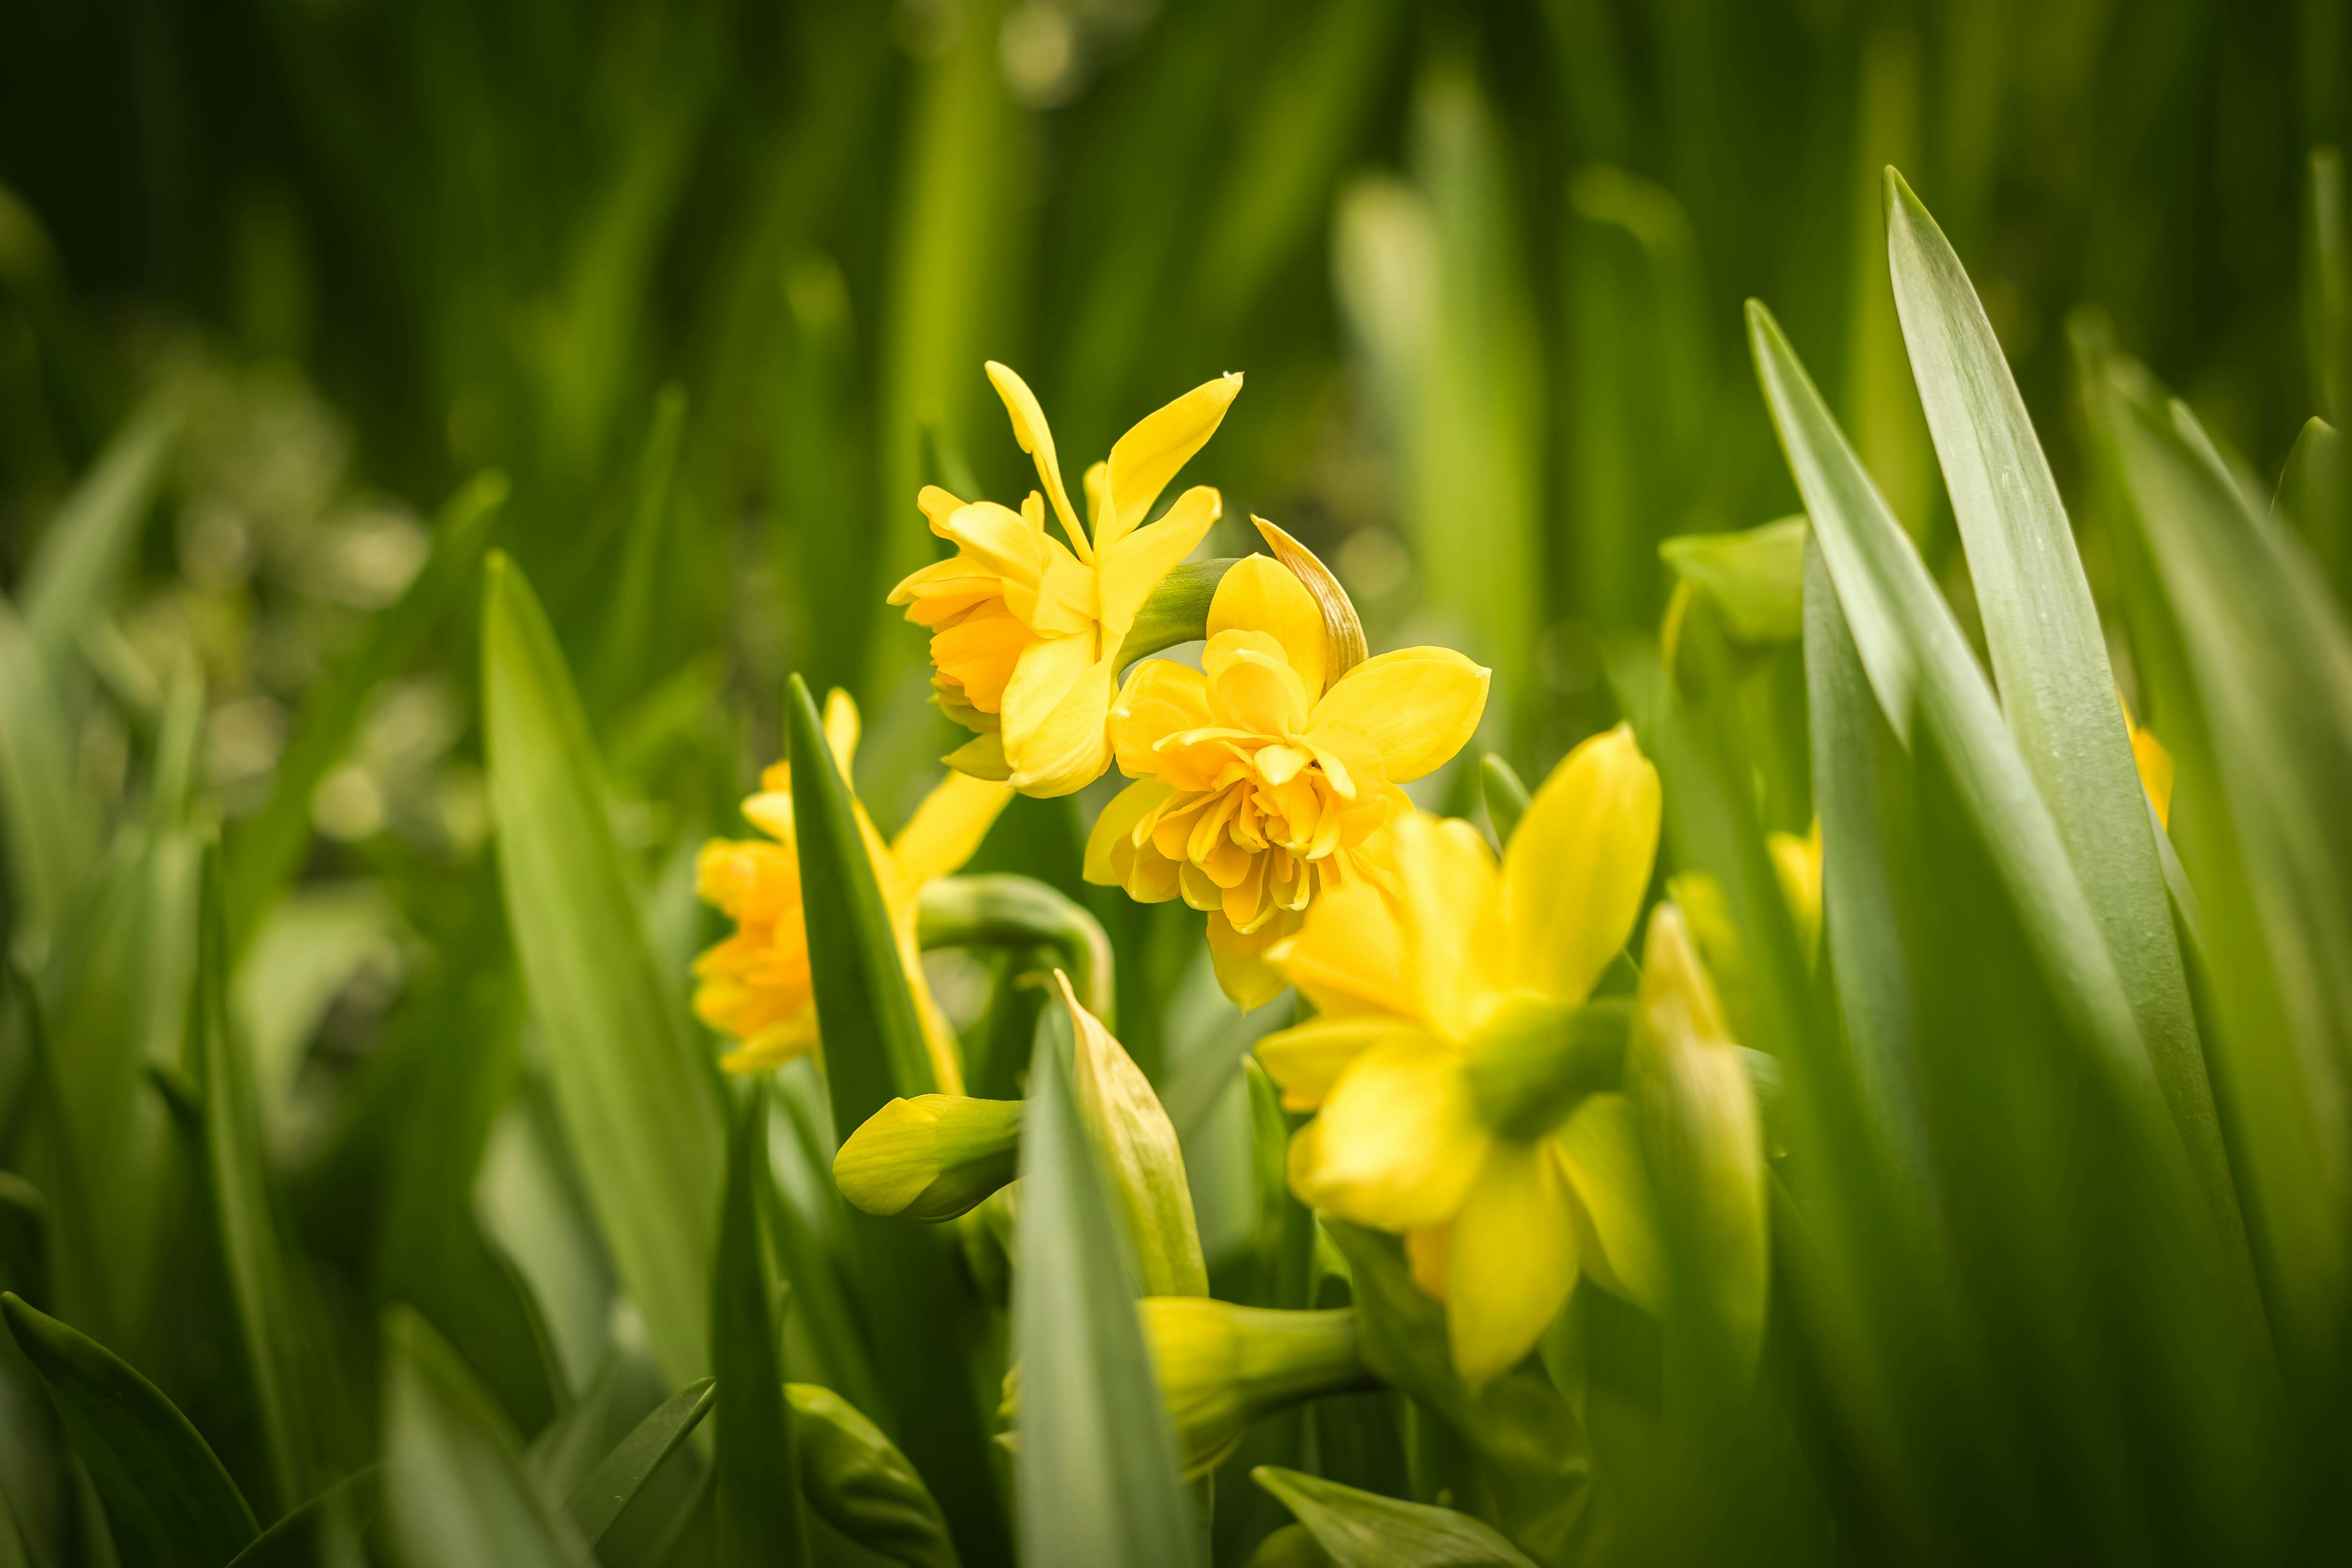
[[916, 1295], [759, 1520], [310, 1533], [455, 1491], [1096, 1478], [168, 1500], [91, 535], [51, 835], [638, 1102], [1365, 1529], [2050, 656], [600, 1500]]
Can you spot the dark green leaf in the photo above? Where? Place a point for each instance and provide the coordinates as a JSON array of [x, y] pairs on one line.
[[311, 1533], [759, 1517], [51, 835], [88, 541], [1364, 1530], [168, 1500], [907, 1276], [455, 1491], [637, 1099], [600, 1500], [1096, 1476], [266, 853]]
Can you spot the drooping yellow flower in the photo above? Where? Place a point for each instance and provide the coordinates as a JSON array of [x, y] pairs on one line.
[[1264, 778], [1434, 1004], [1025, 630], [755, 984]]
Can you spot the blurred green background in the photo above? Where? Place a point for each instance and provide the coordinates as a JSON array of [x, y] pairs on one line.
[[710, 284]]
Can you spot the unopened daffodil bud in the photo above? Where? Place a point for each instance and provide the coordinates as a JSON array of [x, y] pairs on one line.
[[933, 1157], [1141, 1154], [2156, 768], [858, 1481], [1702, 1128], [1222, 1366]]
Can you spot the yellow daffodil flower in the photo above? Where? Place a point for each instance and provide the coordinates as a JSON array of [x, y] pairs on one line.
[[1265, 777], [2155, 764], [1425, 996], [1025, 630], [755, 984]]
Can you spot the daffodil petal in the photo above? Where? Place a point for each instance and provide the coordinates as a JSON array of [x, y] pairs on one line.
[[841, 728], [1447, 882], [1257, 693], [1510, 1261], [1132, 565], [1069, 747], [1418, 706], [1306, 1058], [1239, 960], [1036, 438], [948, 826], [1399, 1143], [1161, 698], [1045, 674], [1578, 865], [981, 757], [1143, 460], [1116, 825], [1599, 1149], [1260, 595], [1350, 955]]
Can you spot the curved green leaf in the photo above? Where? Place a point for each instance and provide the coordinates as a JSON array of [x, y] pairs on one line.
[[605, 1495], [310, 1535], [2050, 657], [1365, 1529], [455, 1491], [1005, 909], [1097, 1481], [637, 1100], [168, 1500], [90, 536]]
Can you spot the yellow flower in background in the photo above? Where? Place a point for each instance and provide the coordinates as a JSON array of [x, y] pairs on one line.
[[2155, 765], [1025, 630], [755, 984], [1265, 778], [1428, 1000]]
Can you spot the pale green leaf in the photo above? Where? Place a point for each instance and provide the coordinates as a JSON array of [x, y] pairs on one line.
[[1364, 1530]]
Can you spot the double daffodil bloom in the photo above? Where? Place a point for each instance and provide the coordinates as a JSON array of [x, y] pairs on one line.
[[1431, 1002], [755, 984], [1025, 630], [1267, 777]]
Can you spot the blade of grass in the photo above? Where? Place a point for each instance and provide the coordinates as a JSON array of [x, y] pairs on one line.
[[638, 1102], [1096, 1476], [759, 1517], [168, 1500], [605, 1495], [87, 542], [915, 1295], [267, 852], [454, 1493], [2050, 657]]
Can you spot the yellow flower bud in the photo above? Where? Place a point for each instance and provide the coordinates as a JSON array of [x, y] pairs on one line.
[[1140, 1156], [933, 1157], [1222, 1367]]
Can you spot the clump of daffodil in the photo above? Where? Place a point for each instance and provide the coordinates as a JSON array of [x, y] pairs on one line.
[[1452, 1105], [754, 985], [1269, 775], [1026, 629], [933, 1157], [1222, 1367]]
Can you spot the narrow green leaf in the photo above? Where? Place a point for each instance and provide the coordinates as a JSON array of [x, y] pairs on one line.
[[759, 1520], [1918, 662], [2050, 657], [637, 1100], [293, 1370], [87, 541], [1096, 1477], [267, 852], [605, 1495], [1364, 1530], [858, 1481], [629, 627], [912, 1287], [311, 1533], [168, 1500], [1005, 909], [2311, 501], [1506, 794], [455, 1491], [51, 832]]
